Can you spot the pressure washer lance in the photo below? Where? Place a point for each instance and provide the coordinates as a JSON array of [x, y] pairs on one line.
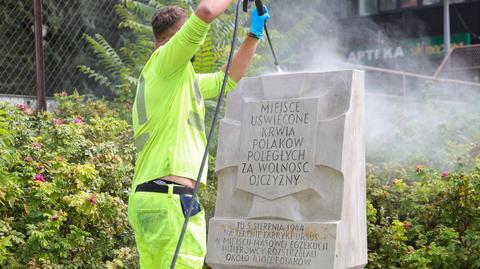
[[261, 11], [276, 63]]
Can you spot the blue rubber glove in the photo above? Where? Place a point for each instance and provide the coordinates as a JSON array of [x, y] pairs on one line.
[[258, 22]]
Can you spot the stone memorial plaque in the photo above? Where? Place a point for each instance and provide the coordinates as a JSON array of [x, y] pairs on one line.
[[291, 174], [276, 147], [268, 244]]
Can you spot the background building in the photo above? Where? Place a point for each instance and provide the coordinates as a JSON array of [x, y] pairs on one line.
[[407, 34]]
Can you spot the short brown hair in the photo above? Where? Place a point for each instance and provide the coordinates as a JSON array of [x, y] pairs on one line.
[[165, 18]]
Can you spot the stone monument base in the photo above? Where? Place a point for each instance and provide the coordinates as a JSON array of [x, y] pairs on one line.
[[291, 174], [239, 243]]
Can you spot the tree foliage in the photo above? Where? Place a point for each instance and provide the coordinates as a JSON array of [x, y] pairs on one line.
[[65, 23], [138, 45]]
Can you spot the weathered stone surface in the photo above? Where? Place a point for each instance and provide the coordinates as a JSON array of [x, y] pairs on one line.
[[291, 152]]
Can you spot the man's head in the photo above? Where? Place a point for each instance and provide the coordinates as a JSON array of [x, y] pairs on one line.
[[166, 22]]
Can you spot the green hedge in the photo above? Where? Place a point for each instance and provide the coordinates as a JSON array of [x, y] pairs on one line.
[[65, 179], [429, 219]]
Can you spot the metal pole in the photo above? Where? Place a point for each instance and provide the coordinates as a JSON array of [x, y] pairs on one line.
[[446, 27], [40, 66]]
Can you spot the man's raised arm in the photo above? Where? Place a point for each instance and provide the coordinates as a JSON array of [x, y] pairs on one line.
[[211, 84], [245, 54], [178, 45], [208, 10]]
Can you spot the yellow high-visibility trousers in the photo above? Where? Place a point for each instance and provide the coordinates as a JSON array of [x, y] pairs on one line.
[[157, 220]]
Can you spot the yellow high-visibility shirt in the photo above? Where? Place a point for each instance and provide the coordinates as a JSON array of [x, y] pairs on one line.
[[169, 111]]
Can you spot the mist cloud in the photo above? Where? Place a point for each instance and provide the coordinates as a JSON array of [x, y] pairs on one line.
[[421, 121]]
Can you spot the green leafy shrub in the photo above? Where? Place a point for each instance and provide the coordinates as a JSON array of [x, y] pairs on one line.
[[65, 178], [64, 183], [430, 219]]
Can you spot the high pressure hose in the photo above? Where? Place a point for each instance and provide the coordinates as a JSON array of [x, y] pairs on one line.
[[210, 135], [261, 11]]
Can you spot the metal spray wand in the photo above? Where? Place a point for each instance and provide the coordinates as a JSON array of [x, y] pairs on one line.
[[261, 11]]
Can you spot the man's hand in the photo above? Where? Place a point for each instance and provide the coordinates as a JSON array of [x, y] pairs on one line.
[[245, 54], [258, 22], [208, 10]]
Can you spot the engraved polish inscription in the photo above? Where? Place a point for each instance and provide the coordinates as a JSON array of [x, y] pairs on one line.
[[273, 243], [277, 146]]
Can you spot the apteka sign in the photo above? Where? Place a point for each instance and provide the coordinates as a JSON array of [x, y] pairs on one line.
[[430, 47]]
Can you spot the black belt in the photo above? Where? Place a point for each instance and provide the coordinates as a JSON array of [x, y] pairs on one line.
[[153, 187]]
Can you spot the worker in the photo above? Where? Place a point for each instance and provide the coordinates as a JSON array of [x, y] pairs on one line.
[[169, 131]]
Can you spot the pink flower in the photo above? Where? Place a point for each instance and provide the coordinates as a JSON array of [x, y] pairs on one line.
[[78, 120], [39, 178], [93, 199], [418, 167], [445, 173], [37, 145], [407, 225], [55, 217], [64, 93], [29, 159], [22, 107], [57, 122]]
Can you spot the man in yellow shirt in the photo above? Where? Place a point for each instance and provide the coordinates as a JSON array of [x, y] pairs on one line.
[[169, 131]]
